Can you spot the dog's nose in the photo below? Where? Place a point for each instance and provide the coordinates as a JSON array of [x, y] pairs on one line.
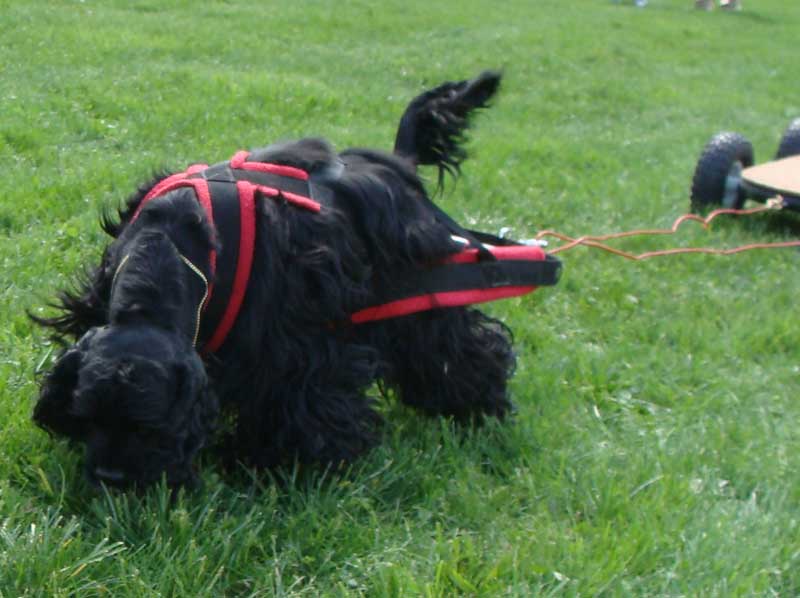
[[111, 476]]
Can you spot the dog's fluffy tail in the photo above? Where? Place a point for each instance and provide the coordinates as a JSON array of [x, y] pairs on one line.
[[434, 125]]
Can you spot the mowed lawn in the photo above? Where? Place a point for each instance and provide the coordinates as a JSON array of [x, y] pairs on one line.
[[656, 449]]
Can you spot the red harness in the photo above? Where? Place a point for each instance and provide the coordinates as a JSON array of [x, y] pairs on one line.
[[487, 269]]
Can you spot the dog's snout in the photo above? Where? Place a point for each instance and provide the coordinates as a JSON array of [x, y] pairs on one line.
[[110, 476]]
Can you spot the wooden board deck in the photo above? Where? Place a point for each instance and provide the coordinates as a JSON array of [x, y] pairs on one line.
[[781, 176]]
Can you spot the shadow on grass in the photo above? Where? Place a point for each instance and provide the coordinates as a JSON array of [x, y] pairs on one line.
[[755, 17], [786, 224]]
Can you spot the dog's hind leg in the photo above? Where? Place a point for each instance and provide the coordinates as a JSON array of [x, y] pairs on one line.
[[454, 362]]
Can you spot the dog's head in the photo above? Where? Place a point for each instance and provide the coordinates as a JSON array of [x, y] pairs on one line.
[[137, 396]]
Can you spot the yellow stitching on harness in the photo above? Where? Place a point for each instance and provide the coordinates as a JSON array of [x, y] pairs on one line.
[[194, 269], [117, 271], [202, 276]]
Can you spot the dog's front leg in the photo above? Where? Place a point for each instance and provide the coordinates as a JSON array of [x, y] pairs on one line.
[[318, 412]]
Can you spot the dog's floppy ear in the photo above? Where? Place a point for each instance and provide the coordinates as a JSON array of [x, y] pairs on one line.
[[52, 411]]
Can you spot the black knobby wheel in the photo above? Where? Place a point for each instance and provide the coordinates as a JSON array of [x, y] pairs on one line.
[[718, 175], [790, 142]]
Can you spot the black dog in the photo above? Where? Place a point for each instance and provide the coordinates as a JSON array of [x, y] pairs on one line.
[[291, 374]]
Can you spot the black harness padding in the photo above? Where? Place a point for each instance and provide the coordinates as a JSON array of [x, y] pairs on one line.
[[227, 222], [223, 173], [487, 272]]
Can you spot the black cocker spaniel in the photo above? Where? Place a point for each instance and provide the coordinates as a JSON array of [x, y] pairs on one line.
[[271, 292]]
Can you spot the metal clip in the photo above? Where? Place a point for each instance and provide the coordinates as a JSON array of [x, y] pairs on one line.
[[534, 242], [776, 203]]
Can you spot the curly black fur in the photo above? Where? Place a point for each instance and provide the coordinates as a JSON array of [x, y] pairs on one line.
[[293, 379]]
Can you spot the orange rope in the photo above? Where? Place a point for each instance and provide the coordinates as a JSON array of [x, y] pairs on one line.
[[595, 240]]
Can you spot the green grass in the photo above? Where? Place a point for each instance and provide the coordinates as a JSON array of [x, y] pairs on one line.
[[656, 448]]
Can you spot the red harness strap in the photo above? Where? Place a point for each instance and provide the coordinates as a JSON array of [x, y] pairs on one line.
[[201, 177]]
